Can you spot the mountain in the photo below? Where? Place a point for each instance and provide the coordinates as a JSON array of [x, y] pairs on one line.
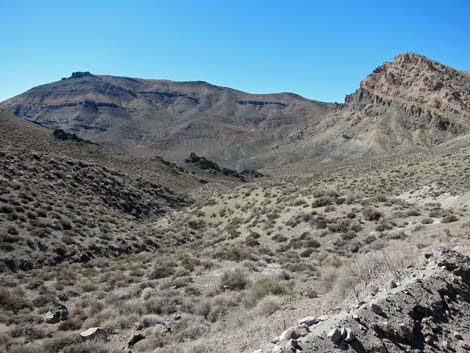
[[104, 250], [414, 99], [166, 118], [411, 103]]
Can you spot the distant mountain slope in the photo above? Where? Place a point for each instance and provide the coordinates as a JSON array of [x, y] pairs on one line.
[[412, 103], [167, 118], [24, 135]]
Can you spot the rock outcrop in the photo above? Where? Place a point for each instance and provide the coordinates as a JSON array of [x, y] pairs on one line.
[[429, 314], [213, 168], [57, 312]]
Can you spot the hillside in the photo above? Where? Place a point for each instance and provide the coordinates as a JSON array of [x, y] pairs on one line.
[[253, 259], [407, 105], [411, 103], [24, 135], [107, 247], [171, 119]]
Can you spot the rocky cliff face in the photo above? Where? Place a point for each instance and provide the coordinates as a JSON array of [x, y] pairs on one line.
[[410, 104], [429, 100]]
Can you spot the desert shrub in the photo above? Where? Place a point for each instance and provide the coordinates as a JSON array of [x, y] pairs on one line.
[[413, 212], [170, 349], [427, 221], [12, 230], [88, 347], [234, 280], [321, 223], [190, 262], [193, 331], [265, 287], [70, 325], [162, 305], [449, 218], [322, 201], [355, 227], [25, 348], [13, 300], [268, 305], [370, 239], [43, 300], [149, 344], [60, 343], [371, 214], [330, 208], [152, 320], [162, 271], [234, 253], [306, 253], [279, 238], [348, 236], [355, 277]]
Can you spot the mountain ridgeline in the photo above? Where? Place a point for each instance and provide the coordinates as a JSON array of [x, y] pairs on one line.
[[408, 104]]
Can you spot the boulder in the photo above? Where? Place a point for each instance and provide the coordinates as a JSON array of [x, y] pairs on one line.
[[308, 321], [57, 312], [376, 308], [294, 332], [136, 337], [335, 335], [93, 333]]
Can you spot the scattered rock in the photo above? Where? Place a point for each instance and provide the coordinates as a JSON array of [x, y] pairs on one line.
[[465, 346], [335, 335], [421, 314], [376, 308], [136, 337], [308, 321], [213, 168], [348, 336], [294, 332], [57, 312], [93, 333]]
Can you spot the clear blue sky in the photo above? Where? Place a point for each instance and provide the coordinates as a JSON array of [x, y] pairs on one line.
[[319, 49]]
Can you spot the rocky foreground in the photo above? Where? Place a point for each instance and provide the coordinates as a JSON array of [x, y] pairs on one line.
[[428, 312]]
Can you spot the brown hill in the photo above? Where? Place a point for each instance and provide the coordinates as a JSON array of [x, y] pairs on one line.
[[167, 118], [411, 103]]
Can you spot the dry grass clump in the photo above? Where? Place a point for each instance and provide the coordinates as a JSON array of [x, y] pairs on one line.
[[234, 280], [13, 299], [354, 278], [268, 305], [371, 214]]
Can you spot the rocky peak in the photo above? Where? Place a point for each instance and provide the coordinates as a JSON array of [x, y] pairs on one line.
[[424, 94], [80, 74]]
